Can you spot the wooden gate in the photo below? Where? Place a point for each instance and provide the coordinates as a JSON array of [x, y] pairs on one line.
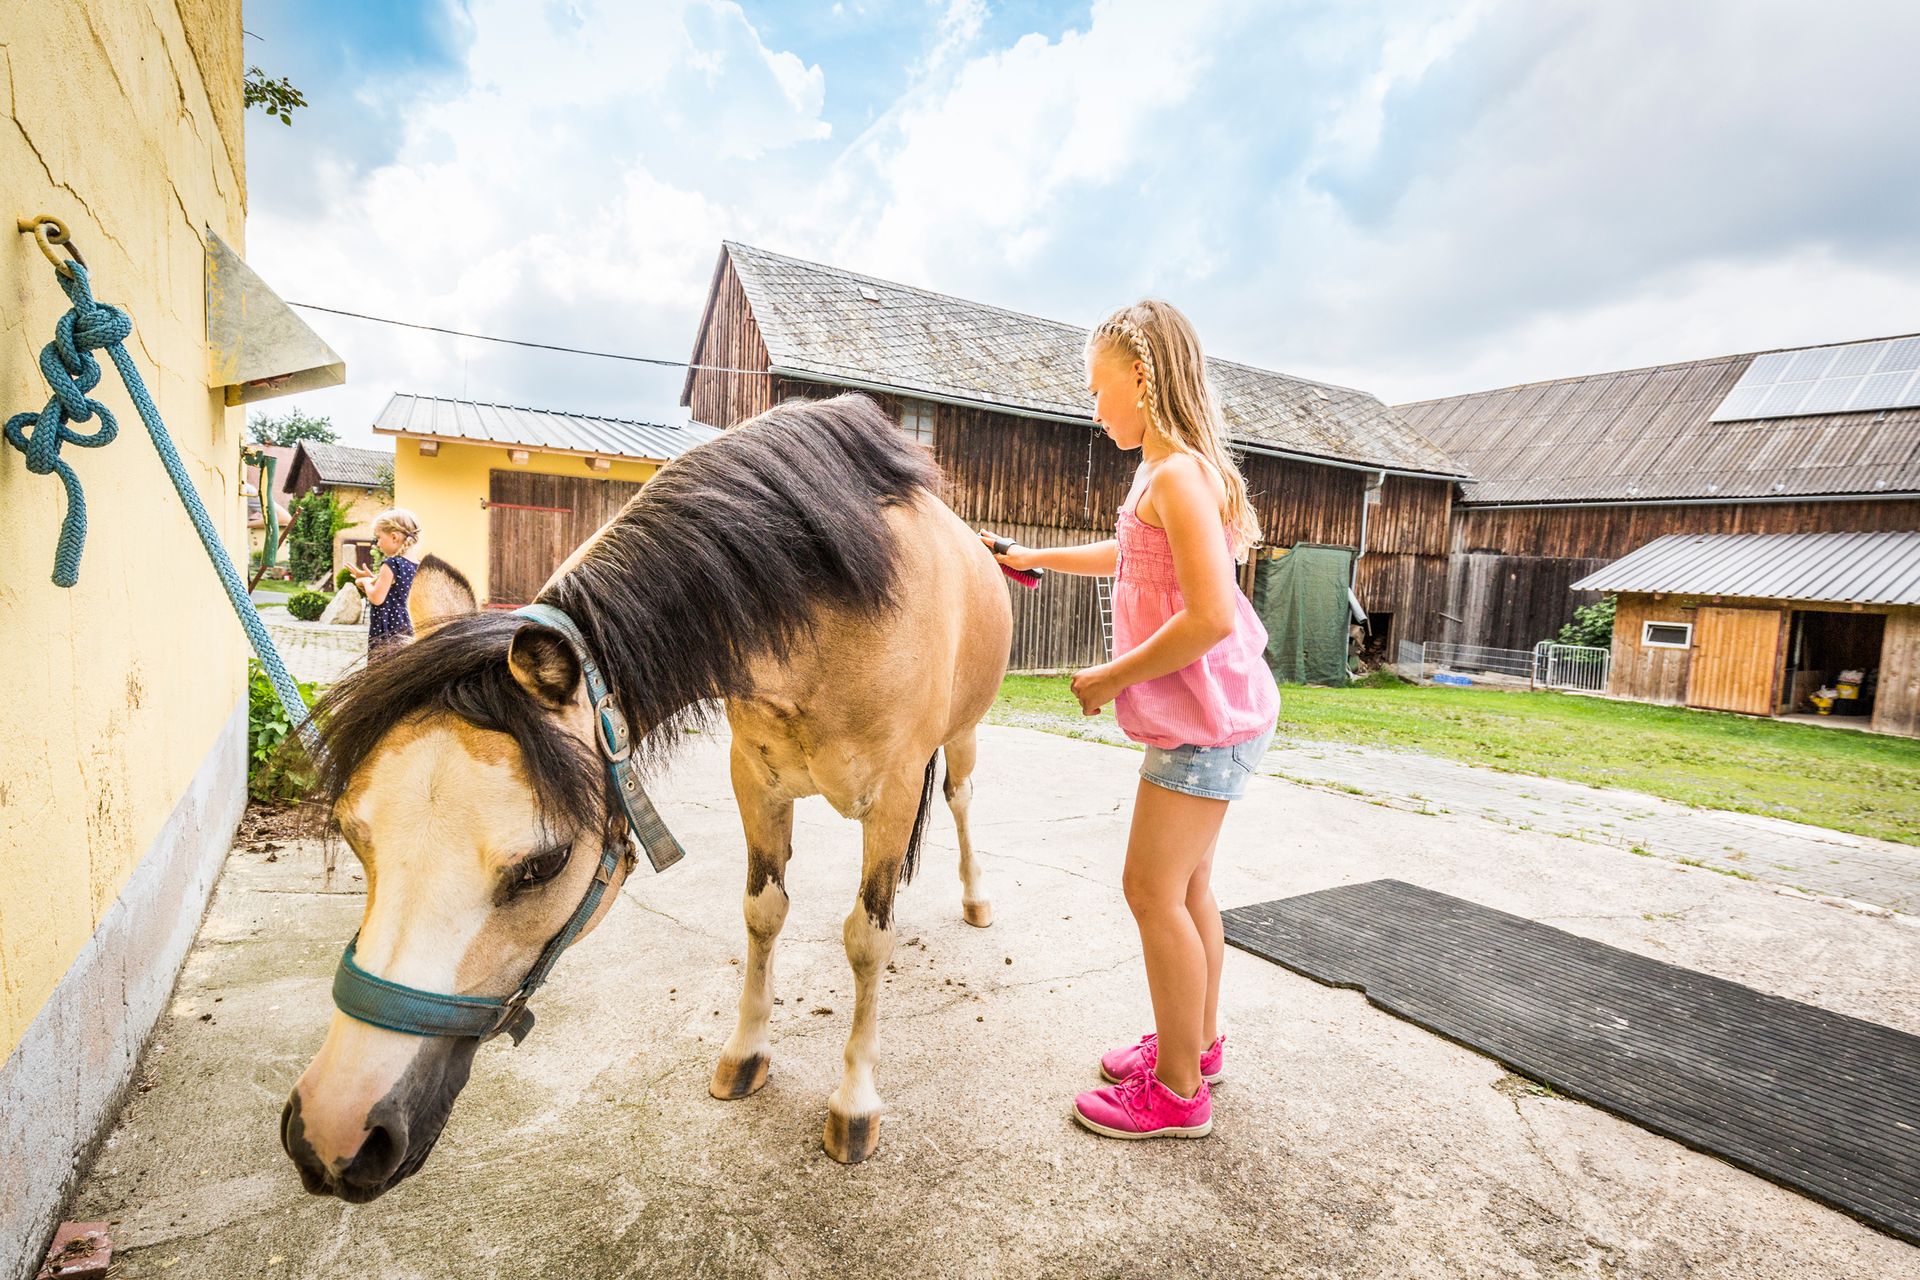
[[534, 522], [1736, 660]]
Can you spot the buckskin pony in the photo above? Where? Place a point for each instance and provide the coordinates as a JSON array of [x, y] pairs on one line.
[[800, 572]]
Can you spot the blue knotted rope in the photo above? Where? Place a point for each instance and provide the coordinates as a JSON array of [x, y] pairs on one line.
[[71, 372]]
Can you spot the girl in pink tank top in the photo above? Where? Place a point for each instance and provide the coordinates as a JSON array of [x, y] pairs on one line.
[[1188, 679]]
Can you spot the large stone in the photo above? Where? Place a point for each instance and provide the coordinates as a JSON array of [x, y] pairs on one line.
[[345, 607]]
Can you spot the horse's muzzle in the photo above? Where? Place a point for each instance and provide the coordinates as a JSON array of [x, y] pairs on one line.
[[399, 1132]]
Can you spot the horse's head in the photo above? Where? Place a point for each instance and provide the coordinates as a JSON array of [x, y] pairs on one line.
[[462, 772]]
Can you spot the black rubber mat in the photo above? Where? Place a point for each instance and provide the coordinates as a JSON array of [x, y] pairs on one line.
[[1822, 1103]]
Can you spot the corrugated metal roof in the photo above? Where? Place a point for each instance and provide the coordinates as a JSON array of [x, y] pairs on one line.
[[343, 464], [840, 327], [1643, 435], [1841, 568], [577, 433]]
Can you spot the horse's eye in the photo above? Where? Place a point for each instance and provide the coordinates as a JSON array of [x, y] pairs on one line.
[[542, 867]]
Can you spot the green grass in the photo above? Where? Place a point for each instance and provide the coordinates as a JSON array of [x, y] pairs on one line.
[[276, 584], [1868, 784]]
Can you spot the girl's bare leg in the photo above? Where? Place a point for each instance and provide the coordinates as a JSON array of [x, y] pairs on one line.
[[1172, 834]]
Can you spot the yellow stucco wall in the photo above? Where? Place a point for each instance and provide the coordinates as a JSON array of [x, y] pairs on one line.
[[363, 505], [126, 124], [445, 492]]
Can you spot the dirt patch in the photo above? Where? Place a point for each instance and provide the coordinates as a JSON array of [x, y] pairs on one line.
[[264, 824]]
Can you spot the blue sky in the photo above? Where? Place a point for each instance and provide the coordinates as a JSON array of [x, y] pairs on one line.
[[1414, 198]]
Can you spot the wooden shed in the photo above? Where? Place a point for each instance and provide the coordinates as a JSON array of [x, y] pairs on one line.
[[1762, 623], [1000, 397], [1572, 474]]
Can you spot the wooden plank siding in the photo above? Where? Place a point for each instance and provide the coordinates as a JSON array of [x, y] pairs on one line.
[[1610, 532], [1896, 707], [1737, 659], [729, 339], [525, 545], [1641, 672], [1512, 602]]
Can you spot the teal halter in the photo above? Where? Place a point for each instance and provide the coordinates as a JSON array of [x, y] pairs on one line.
[[395, 1006]]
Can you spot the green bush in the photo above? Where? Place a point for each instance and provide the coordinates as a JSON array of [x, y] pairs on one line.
[[317, 517], [308, 605], [343, 577], [1592, 625], [274, 775]]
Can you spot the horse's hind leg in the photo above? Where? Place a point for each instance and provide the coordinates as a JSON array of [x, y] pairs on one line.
[[853, 1111], [961, 754], [768, 820]]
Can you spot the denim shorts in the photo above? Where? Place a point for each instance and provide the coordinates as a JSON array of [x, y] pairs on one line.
[[1215, 773]]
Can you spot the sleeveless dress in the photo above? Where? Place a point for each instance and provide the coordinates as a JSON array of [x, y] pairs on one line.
[[389, 624], [1225, 697]]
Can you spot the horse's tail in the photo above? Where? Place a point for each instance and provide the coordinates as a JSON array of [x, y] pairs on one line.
[[912, 861]]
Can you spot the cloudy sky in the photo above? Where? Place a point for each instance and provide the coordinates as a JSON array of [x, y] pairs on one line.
[[1414, 198]]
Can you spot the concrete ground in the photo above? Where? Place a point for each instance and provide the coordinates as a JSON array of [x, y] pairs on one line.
[[1347, 1143]]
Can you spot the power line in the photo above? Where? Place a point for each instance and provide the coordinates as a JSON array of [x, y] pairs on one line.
[[521, 342]]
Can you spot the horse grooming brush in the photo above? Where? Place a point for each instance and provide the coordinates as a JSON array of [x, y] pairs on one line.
[[1029, 578]]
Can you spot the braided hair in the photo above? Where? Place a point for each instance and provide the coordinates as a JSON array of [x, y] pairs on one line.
[[1178, 400]]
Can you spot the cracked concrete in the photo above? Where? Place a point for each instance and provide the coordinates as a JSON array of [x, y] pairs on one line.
[[1347, 1143]]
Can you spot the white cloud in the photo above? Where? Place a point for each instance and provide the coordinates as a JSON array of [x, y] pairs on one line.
[[1410, 197], [571, 191]]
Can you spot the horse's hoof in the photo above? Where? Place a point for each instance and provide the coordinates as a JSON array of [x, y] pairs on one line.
[[851, 1139], [977, 914], [735, 1080]]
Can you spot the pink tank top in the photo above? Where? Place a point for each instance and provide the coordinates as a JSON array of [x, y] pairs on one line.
[[1225, 696]]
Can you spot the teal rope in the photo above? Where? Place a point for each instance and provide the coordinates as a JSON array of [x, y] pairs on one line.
[[71, 372]]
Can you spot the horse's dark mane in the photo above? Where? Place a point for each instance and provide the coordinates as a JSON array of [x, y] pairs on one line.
[[728, 554]]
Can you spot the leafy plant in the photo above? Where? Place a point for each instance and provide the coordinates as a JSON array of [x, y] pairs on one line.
[[1592, 625], [308, 605], [317, 516], [276, 774], [278, 98], [291, 427]]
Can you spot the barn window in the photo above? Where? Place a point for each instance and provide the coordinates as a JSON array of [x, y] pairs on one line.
[[1667, 635], [916, 419]]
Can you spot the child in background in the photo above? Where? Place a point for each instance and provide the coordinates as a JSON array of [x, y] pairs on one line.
[[1189, 680], [393, 532]]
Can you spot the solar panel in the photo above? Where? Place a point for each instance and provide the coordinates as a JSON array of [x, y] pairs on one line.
[[1857, 377]]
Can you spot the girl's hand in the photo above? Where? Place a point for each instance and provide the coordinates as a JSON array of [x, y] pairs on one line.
[[1015, 556], [1095, 687]]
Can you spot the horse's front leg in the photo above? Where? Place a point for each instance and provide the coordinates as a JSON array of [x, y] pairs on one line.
[[853, 1112], [767, 817]]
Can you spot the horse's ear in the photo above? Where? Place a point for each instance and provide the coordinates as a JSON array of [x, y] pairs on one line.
[[544, 664], [440, 594]]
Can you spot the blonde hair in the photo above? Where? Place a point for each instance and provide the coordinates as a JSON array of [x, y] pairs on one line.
[[401, 521], [1178, 399]]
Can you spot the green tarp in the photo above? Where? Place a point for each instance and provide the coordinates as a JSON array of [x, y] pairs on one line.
[[1302, 598]]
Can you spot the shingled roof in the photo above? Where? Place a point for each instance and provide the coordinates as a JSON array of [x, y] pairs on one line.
[[830, 325], [1645, 434], [344, 465]]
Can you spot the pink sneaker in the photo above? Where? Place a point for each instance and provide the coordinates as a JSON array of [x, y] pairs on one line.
[[1141, 1107], [1121, 1063]]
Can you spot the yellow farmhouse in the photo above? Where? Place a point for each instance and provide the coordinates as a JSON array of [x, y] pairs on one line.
[[505, 494], [125, 725]]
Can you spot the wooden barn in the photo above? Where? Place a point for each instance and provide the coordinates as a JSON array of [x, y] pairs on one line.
[[1001, 399], [1571, 475], [1761, 623]]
